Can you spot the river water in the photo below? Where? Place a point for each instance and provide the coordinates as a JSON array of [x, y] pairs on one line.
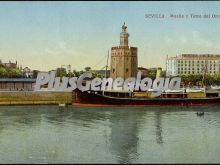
[[47, 134]]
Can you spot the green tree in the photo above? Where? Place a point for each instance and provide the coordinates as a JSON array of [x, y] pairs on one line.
[[216, 79], [87, 69], [60, 72], [76, 73], [3, 72], [35, 72], [196, 80], [152, 74], [163, 74], [13, 73]]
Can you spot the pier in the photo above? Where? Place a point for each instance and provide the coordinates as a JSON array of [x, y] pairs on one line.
[[35, 98]]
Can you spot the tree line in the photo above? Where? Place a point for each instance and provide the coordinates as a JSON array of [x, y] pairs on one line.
[[10, 72], [187, 80]]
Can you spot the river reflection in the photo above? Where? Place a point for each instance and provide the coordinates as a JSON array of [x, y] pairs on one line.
[[158, 127], [47, 134], [124, 134]]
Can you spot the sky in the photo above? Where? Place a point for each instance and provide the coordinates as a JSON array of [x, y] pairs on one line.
[[47, 35]]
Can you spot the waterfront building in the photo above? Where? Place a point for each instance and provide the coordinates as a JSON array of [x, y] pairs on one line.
[[143, 70], [123, 58], [186, 64], [16, 84], [10, 64]]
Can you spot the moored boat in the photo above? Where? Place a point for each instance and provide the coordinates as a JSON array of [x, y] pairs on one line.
[[123, 98], [215, 87]]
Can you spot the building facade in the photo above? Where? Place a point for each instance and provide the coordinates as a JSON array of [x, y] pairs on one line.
[[10, 64], [186, 64], [143, 70], [123, 58], [17, 84]]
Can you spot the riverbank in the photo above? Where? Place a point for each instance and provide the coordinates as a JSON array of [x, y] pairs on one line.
[[34, 97]]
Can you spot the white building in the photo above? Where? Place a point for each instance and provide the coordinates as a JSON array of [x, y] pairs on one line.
[[185, 64]]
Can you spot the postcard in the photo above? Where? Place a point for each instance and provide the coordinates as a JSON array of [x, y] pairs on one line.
[[109, 82]]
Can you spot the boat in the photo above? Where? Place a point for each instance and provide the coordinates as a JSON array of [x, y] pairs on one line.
[[174, 91], [181, 97], [126, 98], [62, 105], [215, 87], [196, 90]]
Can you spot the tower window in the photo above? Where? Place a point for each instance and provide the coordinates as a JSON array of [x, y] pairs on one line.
[[127, 70], [113, 70]]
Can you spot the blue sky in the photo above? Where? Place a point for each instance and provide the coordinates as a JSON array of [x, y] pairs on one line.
[[46, 35]]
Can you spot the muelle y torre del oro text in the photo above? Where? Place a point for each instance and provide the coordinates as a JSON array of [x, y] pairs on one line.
[[182, 16]]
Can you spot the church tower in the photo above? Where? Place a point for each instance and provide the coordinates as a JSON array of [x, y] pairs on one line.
[[123, 58]]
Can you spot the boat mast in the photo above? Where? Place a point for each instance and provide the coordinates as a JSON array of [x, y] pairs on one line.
[[106, 67]]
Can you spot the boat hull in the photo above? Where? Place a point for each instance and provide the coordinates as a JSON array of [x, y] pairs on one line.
[[85, 98]]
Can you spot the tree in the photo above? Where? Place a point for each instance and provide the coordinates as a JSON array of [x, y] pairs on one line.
[[61, 72], [163, 74], [152, 74], [13, 73], [3, 72], [35, 72], [87, 69], [196, 80], [76, 73]]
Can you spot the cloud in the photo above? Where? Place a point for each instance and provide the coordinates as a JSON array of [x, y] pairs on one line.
[[195, 34], [183, 39], [168, 40], [190, 40], [63, 53], [60, 48]]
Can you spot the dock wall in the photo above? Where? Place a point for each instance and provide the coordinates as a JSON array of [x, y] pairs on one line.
[[34, 97]]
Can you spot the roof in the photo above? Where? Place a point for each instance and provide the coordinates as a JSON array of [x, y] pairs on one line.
[[196, 57], [142, 68], [17, 80]]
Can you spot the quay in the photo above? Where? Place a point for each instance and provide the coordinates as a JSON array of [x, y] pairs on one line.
[[35, 97], [19, 91]]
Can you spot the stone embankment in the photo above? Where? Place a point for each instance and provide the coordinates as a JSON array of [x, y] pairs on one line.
[[34, 97]]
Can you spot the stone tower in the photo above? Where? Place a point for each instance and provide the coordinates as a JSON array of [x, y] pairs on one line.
[[123, 58]]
